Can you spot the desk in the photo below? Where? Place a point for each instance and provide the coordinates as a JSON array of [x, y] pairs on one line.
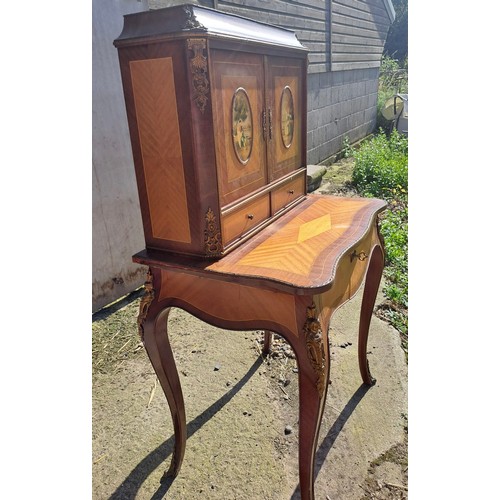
[[288, 279]]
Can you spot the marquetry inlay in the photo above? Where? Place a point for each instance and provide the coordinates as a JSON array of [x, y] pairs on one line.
[[278, 255], [314, 228], [299, 242]]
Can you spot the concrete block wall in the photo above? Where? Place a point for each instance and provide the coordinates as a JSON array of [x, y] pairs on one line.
[[340, 105]]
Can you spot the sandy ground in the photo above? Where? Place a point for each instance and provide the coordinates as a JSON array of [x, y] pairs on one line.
[[238, 405]]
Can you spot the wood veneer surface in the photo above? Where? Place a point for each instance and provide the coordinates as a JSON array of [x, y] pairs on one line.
[[156, 111], [285, 74], [298, 252], [232, 71]]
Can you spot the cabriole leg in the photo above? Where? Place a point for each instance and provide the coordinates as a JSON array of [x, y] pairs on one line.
[[372, 282], [153, 320], [313, 358]]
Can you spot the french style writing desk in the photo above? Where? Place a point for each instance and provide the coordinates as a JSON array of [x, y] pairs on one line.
[[289, 279]]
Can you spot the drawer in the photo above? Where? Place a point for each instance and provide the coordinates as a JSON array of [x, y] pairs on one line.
[[286, 193], [351, 271], [243, 219], [357, 260]]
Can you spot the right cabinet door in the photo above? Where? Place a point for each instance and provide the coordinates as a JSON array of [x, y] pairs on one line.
[[284, 100]]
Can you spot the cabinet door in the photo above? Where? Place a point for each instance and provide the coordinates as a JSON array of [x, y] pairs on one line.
[[238, 89], [284, 96]]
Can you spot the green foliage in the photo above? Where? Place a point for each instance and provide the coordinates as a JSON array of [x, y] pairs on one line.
[[394, 229], [393, 79], [393, 75], [347, 148], [381, 170]]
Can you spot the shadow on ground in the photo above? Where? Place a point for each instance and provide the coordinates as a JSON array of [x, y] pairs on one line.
[[131, 485]]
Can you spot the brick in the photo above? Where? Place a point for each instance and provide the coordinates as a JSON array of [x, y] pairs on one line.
[[331, 130], [324, 80], [335, 95], [336, 110], [343, 93], [313, 156], [309, 139], [354, 105], [371, 86], [338, 78], [343, 125], [316, 138], [313, 81], [359, 118], [323, 98], [350, 76], [346, 108], [337, 143], [312, 119], [313, 100], [325, 150]]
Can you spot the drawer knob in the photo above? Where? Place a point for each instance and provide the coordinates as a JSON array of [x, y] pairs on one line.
[[360, 256], [250, 216], [291, 191]]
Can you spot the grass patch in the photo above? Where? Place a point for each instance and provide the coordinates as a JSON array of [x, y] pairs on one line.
[[338, 177], [115, 338]]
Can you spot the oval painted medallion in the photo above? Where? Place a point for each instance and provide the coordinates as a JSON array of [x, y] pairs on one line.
[[242, 125], [287, 117]]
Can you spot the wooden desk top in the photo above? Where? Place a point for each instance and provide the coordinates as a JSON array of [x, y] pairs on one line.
[[297, 253]]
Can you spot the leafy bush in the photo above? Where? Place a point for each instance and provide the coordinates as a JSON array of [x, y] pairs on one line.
[[381, 171], [393, 75], [381, 168]]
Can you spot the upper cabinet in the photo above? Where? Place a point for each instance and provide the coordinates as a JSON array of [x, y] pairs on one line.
[[216, 106]]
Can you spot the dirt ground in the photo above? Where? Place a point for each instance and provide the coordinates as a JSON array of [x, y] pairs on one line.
[[240, 407]]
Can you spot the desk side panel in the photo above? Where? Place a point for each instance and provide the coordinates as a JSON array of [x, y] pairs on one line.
[[229, 305]]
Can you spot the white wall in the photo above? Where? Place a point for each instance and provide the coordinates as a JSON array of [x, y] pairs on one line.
[[117, 226]]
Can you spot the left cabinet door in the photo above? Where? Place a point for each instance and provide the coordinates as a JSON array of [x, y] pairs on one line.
[[238, 107]]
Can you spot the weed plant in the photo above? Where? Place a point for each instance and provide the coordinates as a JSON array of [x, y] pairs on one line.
[[393, 80], [381, 171]]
